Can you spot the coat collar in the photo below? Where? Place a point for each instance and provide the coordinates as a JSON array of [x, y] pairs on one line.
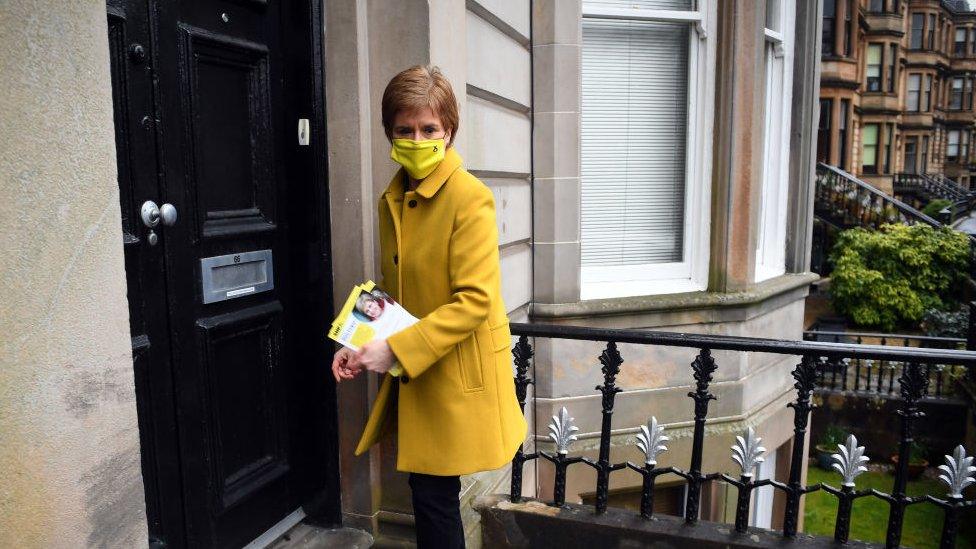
[[432, 183]]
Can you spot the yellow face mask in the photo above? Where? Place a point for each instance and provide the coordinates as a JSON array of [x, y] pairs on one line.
[[419, 158]]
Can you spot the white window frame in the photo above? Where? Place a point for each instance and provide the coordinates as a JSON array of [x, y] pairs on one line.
[[691, 273], [953, 143], [771, 241], [909, 91]]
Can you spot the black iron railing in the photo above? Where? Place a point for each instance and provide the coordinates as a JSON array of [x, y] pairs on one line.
[[878, 377], [846, 201], [913, 382], [842, 201], [929, 186]]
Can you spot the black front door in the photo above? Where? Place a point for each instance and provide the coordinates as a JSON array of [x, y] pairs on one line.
[[228, 284]]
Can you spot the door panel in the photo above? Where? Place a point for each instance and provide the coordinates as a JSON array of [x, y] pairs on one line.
[[245, 428], [226, 82]]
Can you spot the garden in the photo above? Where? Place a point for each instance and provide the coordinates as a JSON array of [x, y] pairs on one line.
[[909, 280]]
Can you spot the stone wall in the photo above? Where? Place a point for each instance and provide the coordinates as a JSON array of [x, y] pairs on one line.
[[70, 471]]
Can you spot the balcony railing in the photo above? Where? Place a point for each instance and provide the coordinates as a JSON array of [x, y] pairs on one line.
[[878, 377], [913, 385]]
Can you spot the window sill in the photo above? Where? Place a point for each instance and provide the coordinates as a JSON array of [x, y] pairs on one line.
[[676, 303]]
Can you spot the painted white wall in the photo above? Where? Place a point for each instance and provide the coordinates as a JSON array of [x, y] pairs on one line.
[[498, 138]]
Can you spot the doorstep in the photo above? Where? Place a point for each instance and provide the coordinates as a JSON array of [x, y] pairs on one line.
[[305, 536]]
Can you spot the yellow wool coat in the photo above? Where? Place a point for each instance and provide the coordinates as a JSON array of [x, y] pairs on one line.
[[456, 408]]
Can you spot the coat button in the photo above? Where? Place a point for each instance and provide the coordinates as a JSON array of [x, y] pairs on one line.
[[396, 259], [412, 203]]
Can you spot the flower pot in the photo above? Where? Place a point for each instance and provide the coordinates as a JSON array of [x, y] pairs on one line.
[[823, 457], [915, 470]]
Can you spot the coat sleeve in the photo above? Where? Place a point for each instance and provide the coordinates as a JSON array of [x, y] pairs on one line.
[[474, 265]]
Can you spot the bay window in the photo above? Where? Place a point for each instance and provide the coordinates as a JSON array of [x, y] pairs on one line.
[[952, 146], [911, 144], [845, 108], [924, 163], [771, 244], [955, 97], [848, 39], [823, 130], [927, 93], [960, 45], [828, 28], [914, 88], [915, 40], [647, 96], [869, 149], [873, 68], [889, 146], [892, 63]]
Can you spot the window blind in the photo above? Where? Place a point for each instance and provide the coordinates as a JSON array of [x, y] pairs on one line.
[[869, 149], [633, 141], [874, 67], [914, 85]]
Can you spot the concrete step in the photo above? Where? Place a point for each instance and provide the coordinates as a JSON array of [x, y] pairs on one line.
[[304, 536]]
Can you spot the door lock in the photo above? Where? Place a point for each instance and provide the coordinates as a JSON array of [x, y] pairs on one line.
[[152, 214]]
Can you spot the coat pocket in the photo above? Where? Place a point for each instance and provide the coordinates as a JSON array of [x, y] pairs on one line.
[[470, 364], [501, 338]]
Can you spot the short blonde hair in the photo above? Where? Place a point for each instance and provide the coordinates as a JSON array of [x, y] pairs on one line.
[[418, 87], [366, 297]]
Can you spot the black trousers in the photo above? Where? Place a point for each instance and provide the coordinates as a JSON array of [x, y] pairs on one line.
[[437, 511]]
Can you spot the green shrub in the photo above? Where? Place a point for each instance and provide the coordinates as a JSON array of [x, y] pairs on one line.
[[890, 277], [946, 323], [831, 437], [933, 208], [917, 452]]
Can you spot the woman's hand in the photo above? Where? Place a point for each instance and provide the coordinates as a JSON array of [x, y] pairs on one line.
[[344, 365], [375, 356]]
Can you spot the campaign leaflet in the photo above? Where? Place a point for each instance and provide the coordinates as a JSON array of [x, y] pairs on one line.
[[369, 313]]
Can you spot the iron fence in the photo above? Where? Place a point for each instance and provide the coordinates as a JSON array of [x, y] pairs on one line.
[[878, 377], [913, 384], [930, 186], [845, 201]]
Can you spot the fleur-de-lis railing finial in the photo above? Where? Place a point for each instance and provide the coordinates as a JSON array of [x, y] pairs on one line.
[[747, 452], [561, 431], [850, 460], [957, 472], [651, 441]]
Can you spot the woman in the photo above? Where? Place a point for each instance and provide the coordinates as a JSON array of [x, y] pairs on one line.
[[369, 305], [455, 407]]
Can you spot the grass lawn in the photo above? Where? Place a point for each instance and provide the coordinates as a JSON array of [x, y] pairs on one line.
[[869, 520]]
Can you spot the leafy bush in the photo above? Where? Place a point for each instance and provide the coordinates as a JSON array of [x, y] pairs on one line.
[[917, 452], [890, 277], [831, 437], [933, 208], [946, 323]]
